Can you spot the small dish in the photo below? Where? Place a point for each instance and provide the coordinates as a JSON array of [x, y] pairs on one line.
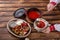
[[19, 13], [40, 24]]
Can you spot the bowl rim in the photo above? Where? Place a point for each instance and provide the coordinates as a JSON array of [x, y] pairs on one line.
[[14, 33], [34, 9]]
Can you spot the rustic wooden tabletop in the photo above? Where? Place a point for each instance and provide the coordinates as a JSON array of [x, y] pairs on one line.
[[7, 8]]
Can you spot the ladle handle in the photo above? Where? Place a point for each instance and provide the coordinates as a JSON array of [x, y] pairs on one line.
[[47, 12]]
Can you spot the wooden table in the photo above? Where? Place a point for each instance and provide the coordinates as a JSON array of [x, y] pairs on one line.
[[7, 8]]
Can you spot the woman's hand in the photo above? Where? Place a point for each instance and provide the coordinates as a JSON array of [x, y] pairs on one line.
[[50, 7]]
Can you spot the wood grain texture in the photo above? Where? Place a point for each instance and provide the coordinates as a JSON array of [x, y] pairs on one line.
[[36, 36], [8, 7]]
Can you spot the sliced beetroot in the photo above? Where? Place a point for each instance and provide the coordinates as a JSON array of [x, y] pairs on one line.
[[25, 30], [24, 24]]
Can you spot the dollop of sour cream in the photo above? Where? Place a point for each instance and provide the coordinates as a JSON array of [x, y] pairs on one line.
[[18, 22]]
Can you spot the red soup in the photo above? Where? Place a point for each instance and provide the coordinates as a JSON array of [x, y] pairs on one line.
[[34, 15], [40, 24]]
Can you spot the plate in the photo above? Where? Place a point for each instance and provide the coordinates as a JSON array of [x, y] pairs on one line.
[[13, 23]]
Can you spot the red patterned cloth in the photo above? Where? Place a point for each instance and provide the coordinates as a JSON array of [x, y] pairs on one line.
[[52, 28], [53, 3]]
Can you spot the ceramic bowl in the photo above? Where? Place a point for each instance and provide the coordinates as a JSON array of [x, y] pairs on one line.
[[43, 20], [19, 13]]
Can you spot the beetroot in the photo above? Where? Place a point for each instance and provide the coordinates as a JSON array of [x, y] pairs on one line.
[[24, 24]]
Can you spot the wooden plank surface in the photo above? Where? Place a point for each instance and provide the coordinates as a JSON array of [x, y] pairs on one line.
[[33, 36], [8, 7]]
